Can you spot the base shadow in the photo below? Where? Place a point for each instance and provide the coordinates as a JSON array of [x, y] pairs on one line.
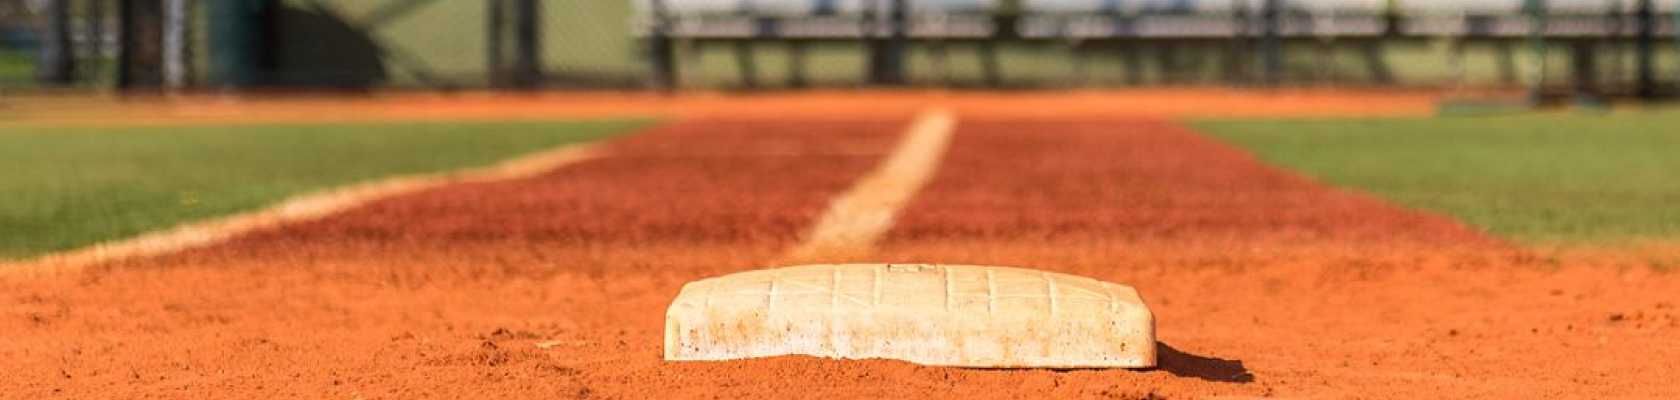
[[1188, 365]]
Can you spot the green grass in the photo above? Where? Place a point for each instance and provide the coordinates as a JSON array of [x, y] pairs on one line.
[[1566, 179], [17, 71], [67, 187], [17, 68]]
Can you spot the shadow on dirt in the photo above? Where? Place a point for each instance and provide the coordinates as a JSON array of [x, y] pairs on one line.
[[1188, 365]]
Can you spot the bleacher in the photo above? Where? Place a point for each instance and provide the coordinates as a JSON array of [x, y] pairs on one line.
[[812, 19], [1146, 20]]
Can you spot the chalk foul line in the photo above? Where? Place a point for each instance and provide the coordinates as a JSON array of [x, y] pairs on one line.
[[292, 210], [858, 217]]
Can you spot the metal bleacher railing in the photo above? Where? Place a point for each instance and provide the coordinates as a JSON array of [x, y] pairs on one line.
[[1263, 25], [884, 24], [529, 44]]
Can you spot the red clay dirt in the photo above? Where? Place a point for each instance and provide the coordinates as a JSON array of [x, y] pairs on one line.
[[1264, 283]]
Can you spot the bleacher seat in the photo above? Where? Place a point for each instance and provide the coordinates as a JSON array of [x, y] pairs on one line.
[[812, 19]]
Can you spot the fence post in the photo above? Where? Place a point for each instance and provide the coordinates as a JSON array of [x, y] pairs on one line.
[[1004, 30], [797, 76], [1645, 47], [95, 31], [57, 63], [1271, 45], [1536, 10], [886, 58], [661, 51], [177, 63], [523, 69], [1392, 29], [1236, 64], [140, 57], [527, 33], [495, 23]]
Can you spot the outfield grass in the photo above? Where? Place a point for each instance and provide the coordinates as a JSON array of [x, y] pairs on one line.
[[69, 187], [1541, 179]]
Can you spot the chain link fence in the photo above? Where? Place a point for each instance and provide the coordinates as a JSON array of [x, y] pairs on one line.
[[474, 44]]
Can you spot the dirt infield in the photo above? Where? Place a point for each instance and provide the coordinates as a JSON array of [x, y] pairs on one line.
[[1264, 283]]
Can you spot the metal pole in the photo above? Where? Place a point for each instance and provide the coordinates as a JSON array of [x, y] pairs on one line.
[[175, 42], [494, 25], [1004, 25], [991, 71], [1615, 35], [1585, 70], [96, 37], [1271, 46], [887, 56], [745, 64], [141, 60], [1536, 10], [57, 65], [1645, 48], [661, 52], [1373, 50], [797, 77], [528, 66], [125, 38], [1235, 66]]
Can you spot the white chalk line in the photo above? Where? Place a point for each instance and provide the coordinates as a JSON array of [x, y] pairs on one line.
[[857, 218], [293, 210]]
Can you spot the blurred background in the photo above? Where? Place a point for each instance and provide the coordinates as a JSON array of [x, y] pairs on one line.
[[456, 198], [1586, 48]]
